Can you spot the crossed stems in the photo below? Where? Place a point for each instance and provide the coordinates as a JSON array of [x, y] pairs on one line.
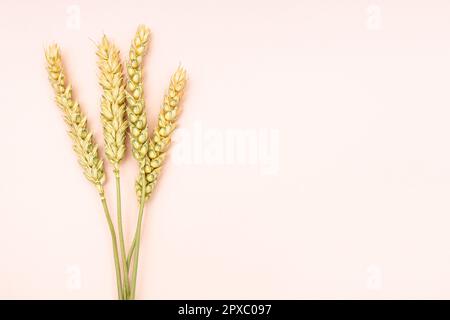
[[125, 289]]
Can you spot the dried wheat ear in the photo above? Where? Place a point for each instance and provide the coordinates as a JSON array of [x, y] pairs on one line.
[[160, 140], [84, 144], [113, 103]]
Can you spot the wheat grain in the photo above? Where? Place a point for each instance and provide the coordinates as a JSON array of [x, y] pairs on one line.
[[83, 141], [113, 109], [137, 116], [162, 134], [113, 103]]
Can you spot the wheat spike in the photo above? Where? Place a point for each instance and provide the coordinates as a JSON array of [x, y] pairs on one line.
[[113, 103], [162, 134], [83, 141], [137, 116]]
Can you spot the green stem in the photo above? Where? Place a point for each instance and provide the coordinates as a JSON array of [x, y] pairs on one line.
[[130, 253], [114, 243], [138, 240], [121, 238]]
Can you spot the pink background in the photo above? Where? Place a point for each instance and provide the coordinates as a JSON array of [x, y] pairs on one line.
[[356, 94]]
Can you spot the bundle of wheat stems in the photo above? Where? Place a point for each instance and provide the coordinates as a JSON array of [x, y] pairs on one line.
[[122, 108]]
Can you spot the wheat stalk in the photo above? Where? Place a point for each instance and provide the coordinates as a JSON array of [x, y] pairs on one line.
[[155, 156], [113, 109], [83, 141], [113, 106], [137, 116], [162, 134], [117, 101]]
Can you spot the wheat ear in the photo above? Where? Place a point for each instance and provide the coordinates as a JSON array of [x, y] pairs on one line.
[[113, 106], [113, 109], [83, 141], [162, 134], [137, 116], [154, 158]]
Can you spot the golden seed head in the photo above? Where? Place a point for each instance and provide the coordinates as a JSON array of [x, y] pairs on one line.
[[83, 141], [113, 102], [162, 133], [135, 95]]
